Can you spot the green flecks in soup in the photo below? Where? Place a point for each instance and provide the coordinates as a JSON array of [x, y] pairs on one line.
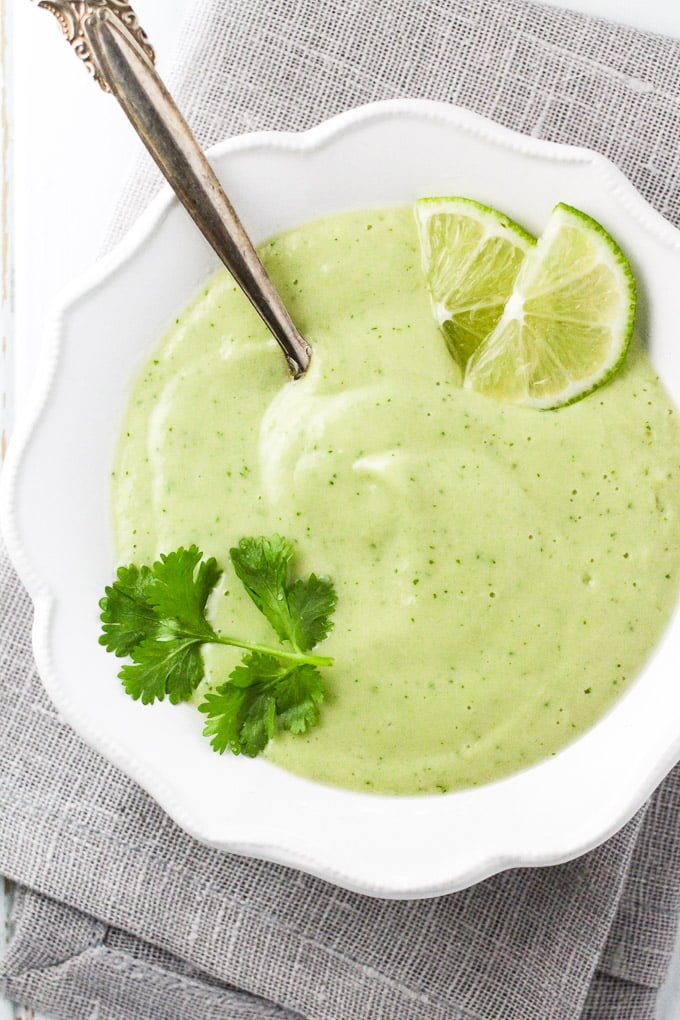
[[501, 573]]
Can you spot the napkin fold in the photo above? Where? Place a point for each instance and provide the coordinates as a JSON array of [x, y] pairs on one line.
[[123, 916]]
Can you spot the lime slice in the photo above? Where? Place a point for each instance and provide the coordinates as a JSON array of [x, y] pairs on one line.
[[471, 257], [568, 323]]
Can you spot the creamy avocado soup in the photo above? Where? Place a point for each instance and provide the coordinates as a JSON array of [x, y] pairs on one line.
[[502, 573]]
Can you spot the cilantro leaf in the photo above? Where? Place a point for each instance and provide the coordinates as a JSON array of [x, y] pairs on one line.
[[261, 564], [241, 719], [311, 604], [300, 612], [126, 614], [298, 698], [172, 667], [258, 725], [261, 692], [257, 668], [179, 592], [156, 615]]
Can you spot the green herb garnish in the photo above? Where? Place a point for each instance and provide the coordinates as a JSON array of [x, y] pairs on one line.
[[157, 616]]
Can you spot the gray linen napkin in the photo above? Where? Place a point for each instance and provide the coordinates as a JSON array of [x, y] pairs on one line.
[[125, 917]]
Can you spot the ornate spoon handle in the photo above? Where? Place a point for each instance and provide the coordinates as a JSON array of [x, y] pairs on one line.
[[108, 38]]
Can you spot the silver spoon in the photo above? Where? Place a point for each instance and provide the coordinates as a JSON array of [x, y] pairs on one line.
[[107, 36]]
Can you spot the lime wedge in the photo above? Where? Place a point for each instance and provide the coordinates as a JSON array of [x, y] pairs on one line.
[[471, 257], [567, 325]]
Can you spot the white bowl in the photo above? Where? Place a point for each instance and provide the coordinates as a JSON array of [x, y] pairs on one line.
[[56, 517]]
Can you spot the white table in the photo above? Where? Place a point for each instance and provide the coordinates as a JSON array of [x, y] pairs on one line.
[[69, 149]]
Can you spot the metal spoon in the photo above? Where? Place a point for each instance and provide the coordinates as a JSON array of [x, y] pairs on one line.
[[107, 36]]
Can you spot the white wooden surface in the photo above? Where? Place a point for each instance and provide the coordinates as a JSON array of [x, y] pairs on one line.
[[62, 159]]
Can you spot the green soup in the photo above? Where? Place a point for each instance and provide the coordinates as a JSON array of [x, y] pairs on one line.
[[502, 573]]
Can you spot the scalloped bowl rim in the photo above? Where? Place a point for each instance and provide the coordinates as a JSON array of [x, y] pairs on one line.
[[504, 851]]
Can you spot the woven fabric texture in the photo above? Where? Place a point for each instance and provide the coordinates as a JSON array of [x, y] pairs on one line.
[[123, 915]]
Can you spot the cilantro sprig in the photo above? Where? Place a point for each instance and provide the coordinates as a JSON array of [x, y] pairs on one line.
[[156, 616]]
